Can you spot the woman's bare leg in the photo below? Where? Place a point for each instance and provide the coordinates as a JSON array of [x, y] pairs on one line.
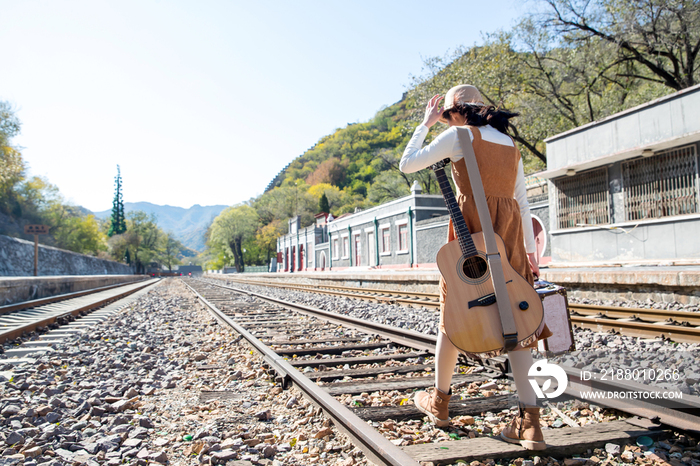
[[520, 362], [445, 361]]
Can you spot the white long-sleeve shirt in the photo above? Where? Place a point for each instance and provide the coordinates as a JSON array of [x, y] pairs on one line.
[[446, 145]]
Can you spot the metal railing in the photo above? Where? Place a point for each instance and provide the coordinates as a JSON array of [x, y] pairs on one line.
[[664, 185], [583, 199]]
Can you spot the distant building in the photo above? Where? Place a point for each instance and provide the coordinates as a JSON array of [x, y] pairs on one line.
[[383, 236], [153, 268], [625, 188], [189, 269]]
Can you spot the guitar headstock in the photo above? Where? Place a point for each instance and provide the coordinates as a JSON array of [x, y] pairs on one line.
[[440, 165]]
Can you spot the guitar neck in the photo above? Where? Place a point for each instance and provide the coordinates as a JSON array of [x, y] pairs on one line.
[[460, 225]]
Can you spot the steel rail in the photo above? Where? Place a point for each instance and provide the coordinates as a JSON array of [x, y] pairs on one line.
[[370, 294], [681, 326], [338, 287], [410, 338], [375, 446], [685, 417], [650, 315], [60, 297], [677, 333]]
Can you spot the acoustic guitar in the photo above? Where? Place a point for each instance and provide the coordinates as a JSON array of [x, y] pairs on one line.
[[471, 316]]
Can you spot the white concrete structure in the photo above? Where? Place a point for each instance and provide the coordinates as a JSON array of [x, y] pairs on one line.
[[626, 188]]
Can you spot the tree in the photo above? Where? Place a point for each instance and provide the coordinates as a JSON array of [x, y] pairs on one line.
[[230, 229], [660, 37], [336, 197], [80, 234], [286, 202], [323, 205], [330, 171], [170, 251], [12, 166], [141, 242], [119, 245], [266, 237], [118, 219], [389, 185]]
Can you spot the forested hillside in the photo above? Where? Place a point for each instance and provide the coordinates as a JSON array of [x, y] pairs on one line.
[[567, 63], [189, 226]]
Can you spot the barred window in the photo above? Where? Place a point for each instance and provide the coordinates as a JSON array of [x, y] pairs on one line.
[[663, 185], [583, 199]]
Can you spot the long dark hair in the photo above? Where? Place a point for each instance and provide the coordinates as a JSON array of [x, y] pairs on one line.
[[482, 115]]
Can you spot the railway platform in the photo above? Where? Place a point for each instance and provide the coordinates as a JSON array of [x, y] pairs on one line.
[[18, 289]]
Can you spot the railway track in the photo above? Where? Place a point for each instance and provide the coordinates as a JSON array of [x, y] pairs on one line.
[[23, 318], [680, 326], [331, 357]]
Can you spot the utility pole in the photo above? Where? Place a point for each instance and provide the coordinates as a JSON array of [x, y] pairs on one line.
[[36, 230]]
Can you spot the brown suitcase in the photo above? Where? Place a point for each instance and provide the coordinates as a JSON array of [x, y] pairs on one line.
[[556, 316]]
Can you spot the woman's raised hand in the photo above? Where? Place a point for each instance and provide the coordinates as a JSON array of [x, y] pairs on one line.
[[433, 111]]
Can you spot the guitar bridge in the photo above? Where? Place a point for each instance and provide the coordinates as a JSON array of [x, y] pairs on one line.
[[487, 300]]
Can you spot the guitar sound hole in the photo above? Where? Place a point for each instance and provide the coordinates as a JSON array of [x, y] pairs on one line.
[[475, 267]]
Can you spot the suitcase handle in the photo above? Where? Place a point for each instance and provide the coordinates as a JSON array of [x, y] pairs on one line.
[[540, 284]]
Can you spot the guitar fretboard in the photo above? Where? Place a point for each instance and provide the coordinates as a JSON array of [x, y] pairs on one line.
[[460, 225]]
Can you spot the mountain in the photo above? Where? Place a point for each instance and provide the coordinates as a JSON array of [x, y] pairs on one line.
[[188, 225]]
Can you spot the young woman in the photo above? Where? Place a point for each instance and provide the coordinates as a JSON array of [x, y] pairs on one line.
[[501, 169]]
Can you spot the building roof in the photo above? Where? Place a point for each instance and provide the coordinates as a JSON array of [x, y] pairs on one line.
[[669, 121]]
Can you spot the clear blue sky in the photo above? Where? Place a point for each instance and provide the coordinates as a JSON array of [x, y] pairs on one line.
[[203, 102]]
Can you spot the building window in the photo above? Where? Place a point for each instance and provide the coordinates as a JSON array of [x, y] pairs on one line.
[[583, 199], [385, 235], [336, 249], [346, 247], [357, 250], [664, 185], [301, 257], [403, 238]]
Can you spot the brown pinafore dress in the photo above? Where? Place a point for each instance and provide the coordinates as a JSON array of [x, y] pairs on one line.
[[498, 166]]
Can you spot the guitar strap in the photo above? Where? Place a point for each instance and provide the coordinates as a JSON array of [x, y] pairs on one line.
[[510, 332]]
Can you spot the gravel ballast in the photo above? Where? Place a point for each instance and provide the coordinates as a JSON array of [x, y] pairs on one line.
[[130, 390]]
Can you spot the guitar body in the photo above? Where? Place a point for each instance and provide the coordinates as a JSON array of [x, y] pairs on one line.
[[471, 317]]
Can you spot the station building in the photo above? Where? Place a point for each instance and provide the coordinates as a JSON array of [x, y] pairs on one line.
[[387, 236], [625, 188]]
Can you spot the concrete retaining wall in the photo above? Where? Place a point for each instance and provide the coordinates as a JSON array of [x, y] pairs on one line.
[[18, 289], [17, 260]]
